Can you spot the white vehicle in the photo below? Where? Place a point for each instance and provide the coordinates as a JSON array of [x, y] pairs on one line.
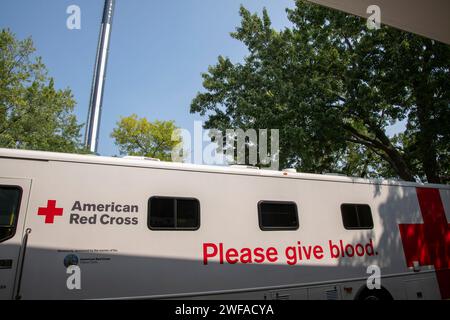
[[90, 227]]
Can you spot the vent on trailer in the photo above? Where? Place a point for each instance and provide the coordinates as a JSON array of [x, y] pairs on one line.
[[331, 294]]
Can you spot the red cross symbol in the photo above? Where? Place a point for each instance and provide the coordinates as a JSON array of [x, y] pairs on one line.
[[50, 211], [429, 243]]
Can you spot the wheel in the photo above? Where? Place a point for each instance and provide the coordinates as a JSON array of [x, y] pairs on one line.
[[374, 295]]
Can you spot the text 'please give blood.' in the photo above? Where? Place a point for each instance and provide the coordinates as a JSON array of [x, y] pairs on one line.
[[291, 255]]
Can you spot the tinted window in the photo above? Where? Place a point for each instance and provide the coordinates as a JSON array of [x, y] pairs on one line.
[[165, 213], [162, 212], [277, 215], [9, 211], [188, 214], [356, 216]]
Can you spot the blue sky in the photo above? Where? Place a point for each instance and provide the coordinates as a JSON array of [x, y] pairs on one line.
[[158, 51]]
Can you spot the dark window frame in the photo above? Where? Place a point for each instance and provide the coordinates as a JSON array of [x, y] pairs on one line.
[[264, 228], [359, 227], [175, 199], [16, 218]]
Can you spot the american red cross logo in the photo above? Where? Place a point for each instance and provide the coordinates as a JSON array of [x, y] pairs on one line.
[[50, 211], [429, 243]]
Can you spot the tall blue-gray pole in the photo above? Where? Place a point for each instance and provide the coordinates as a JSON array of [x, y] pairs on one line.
[[98, 83]]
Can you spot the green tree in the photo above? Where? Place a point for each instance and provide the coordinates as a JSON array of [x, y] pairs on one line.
[[333, 88], [138, 137], [33, 114]]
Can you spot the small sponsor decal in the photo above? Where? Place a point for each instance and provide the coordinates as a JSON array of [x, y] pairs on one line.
[[86, 256], [71, 260]]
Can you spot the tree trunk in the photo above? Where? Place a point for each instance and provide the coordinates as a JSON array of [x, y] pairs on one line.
[[426, 145]]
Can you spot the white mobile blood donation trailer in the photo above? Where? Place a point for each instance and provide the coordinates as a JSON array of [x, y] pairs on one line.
[[136, 228]]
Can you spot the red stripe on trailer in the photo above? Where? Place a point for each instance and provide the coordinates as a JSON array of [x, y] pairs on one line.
[[429, 243]]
